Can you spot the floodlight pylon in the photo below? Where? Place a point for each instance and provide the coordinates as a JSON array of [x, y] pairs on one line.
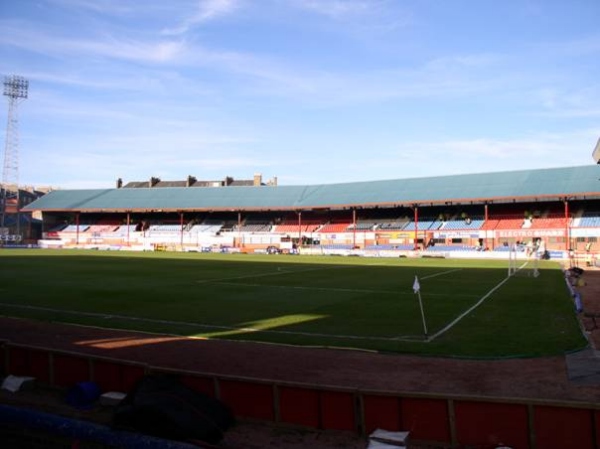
[[16, 88]]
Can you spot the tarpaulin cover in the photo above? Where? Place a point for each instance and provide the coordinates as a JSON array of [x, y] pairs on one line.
[[162, 406]]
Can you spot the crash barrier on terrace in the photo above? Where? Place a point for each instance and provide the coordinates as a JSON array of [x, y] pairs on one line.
[[444, 420]]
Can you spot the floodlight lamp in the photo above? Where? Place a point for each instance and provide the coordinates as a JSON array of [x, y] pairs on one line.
[[15, 86]]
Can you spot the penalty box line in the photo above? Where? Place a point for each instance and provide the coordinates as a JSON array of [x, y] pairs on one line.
[[279, 272], [332, 289], [466, 312]]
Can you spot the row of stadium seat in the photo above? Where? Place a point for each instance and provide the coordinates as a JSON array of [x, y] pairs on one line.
[[425, 225]]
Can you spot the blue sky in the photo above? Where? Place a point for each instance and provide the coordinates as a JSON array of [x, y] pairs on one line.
[[309, 91]]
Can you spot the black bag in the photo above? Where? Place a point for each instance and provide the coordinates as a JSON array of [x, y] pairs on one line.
[[576, 271], [162, 406]]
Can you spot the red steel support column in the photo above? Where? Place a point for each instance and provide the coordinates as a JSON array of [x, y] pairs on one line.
[[416, 227], [239, 245], [485, 219], [300, 229], [567, 243], [77, 233], [181, 229], [354, 229], [128, 224]]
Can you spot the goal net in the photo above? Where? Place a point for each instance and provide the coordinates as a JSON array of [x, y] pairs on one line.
[[522, 262]]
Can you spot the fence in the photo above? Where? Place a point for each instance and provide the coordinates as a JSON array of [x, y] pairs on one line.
[[448, 421]]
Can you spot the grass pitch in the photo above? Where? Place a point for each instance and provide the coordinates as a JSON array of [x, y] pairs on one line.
[[471, 308]]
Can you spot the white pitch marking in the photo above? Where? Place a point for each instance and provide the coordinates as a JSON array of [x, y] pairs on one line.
[[334, 289], [208, 326], [467, 312], [441, 273], [270, 273]]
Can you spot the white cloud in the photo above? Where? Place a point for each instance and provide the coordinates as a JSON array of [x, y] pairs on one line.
[[338, 8], [568, 102], [367, 17], [206, 11], [529, 152], [112, 7], [442, 77], [43, 42]]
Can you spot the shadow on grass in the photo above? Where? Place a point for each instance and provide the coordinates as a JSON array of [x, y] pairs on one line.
[[366, 304]]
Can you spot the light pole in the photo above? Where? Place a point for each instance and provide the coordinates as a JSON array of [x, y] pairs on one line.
[[16, 89]]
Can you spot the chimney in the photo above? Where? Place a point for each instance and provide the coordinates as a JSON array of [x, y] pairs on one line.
[[191, 180], [119, 183], [257, 179]]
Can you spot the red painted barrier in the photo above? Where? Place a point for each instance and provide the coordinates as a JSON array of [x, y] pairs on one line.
[[112, 375], [597, 427], [445, 420], [337, 410], [426, 419], [248, 400], [108, 375], [491, 424], [39, 363], [29, 362], [18, 362], [299, 406], [381, 412], [204, 385], [70, 370], [561, 427], [3, 355], [131, 375]]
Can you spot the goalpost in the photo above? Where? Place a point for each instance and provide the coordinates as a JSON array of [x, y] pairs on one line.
[[528, 266]]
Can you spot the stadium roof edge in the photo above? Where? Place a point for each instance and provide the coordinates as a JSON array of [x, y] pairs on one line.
[[523, 185]]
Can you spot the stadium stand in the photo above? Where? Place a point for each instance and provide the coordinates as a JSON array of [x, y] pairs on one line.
[[206, 228], [423, 225], [393, 225], [167, 228], [364, 226], [337, 246], [507, 223], [75, 228], [98, 228], [334, 227], [253, 227], [588, 220], [123, 230], [448, 248], [476, 223], [453, 212], [548, 223]]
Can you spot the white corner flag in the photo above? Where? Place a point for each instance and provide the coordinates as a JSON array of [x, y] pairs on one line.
[[417, 290], [416, 285]]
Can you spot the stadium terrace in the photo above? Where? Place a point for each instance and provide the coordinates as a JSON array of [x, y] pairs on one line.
[[485, 212]]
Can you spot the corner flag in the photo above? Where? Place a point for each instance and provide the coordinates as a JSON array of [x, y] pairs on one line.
[[417, 290], [416, 285]]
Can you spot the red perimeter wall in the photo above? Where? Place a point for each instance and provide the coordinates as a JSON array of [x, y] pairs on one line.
[[481, 422]]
